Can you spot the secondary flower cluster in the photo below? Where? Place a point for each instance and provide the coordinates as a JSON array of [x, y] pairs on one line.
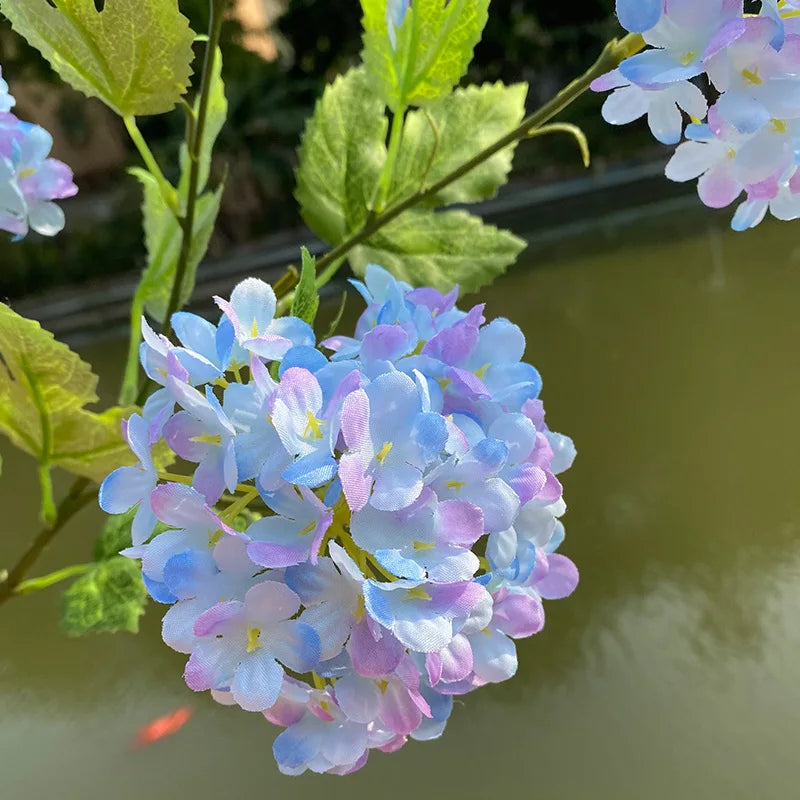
[[406, 513], [750, 139], [29, 180]]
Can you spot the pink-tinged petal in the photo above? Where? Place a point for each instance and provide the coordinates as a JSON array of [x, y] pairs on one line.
[[433, 666], [356, 483], [386, 343], [456, 660], [398, 712], [355, 420], [460, 523], [220, 618], [611, 80], [181, 506], [276, 556], [270, 602], [561, 579], [518, 615], [373, 658]]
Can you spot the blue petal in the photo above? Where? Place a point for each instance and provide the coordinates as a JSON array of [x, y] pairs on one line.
[[638, 16], [159, 591], [396, 563], [184, 572], [313, 470], [303, 356]]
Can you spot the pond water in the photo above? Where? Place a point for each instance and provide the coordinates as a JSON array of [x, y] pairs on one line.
[[671, 358]]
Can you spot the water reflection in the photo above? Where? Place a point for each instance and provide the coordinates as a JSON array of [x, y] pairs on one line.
[[671, 672]]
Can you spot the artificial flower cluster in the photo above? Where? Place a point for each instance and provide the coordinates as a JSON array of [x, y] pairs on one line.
[[406, 513], [29, 180], [748, 141]]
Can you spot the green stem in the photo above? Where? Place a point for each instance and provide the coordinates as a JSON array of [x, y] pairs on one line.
[[167, 190], [387, 174], [217, 8], [616, 51], [44, 581], [130, 380], [76, 499]]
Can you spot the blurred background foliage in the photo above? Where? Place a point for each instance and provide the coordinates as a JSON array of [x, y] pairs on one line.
[[278, 57]]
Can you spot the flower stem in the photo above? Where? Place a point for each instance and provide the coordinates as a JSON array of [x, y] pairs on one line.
[[217, 8], [168, 192]]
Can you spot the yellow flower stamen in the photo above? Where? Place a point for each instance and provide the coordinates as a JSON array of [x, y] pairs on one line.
[[752, 77], [384, 451], [314, 427], [252, 638]]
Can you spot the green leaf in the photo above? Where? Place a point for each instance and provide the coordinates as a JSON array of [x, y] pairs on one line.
[[440, 249], [341, 155], [434, 143], [306, 296], [434, 47], [135, 55], [163, 237], [44, 387], [109, 598], [115, 535]]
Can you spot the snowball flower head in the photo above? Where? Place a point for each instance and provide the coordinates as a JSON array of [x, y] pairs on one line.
[[402, 514]]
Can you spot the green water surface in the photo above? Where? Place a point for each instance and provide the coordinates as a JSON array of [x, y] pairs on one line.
[[673, 672]]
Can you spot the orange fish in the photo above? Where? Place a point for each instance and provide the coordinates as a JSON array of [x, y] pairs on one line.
[[164, 726]]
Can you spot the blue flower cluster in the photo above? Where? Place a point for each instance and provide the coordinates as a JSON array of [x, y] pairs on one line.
[[745, 136], [29, 180], [404, 513]]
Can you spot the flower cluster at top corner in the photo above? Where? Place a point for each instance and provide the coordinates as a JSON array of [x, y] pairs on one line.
[[743, 134], [402, 513], [29, 180]]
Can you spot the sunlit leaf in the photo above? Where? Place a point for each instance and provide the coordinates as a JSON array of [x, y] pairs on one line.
[[435, 142], [432, 48], [341, 156], [135, 55], [44, 387], [109, 598], [439, 250], [306, 296]]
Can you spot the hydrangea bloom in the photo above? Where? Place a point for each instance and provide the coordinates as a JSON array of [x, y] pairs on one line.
[[406, 514], [748, 141], [29, 180]]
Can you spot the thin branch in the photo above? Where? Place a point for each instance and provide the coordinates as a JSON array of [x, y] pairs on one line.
[[77, 498], [616, 51]]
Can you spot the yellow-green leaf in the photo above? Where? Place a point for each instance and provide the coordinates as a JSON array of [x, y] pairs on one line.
[[109, 598], [44, 387], [431, 52], [135, 55]]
